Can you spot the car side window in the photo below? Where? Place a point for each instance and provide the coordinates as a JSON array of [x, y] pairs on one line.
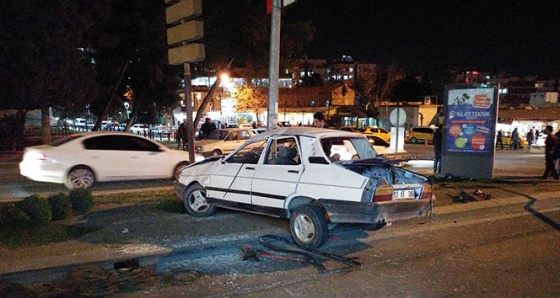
[[103, 143], [244, 135], [232, 136], [249, 154], [139, 144], [283, 151]]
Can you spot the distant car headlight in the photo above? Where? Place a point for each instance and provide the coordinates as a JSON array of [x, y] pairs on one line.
[[199, 149]]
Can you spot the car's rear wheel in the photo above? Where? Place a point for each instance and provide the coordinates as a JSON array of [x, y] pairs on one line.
[[216, 152], [413, 140], [179, 168], [308, 226], [80, 177], [195, 201]]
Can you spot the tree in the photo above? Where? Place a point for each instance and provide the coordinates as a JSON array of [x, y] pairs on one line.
[[251, 99], [136, 34], [44, 58]]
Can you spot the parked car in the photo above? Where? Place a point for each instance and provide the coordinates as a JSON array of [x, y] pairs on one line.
[[139, 128], [223, 141], [349, 128], [80, 160], [506, 140], [383, 150], [421, 134], [292, 173], [377, 131]]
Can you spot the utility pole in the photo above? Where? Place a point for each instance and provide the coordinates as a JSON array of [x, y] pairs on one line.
[[274, 64]]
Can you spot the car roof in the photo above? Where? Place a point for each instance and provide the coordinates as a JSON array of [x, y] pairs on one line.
[[307, 131]]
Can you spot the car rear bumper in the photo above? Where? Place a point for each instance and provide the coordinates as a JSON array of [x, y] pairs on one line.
[[360, 212], [41, 172]]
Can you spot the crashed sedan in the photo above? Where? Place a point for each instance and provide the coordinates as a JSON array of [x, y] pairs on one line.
[[310, 176]]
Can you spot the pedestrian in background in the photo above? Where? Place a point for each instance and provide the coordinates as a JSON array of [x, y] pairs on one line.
[[207, 127], [550, 145], [514, 139], [437, 140], [499, 139], [530, 139], [319, 120]]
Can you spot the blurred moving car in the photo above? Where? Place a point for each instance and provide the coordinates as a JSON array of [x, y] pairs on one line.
[[223, 141], [421, 134], [377, 131], [80, 160], [311, 176]]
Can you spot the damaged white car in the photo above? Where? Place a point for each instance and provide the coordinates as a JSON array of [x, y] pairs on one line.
[[312, 177]]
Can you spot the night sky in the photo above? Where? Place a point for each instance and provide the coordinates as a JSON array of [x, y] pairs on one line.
[[522, 37]]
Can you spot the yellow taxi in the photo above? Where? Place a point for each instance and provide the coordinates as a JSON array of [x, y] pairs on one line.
[[506, 139], [377, 131]]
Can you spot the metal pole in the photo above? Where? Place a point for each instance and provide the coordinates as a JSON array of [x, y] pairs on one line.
[[274, 64], [189, 111]]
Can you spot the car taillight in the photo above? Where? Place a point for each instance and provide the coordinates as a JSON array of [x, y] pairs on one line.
[[427, 191], [383, 193], [38, 156]]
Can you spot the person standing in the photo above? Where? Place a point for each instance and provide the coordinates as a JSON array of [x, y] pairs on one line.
[[530, 139], [319, 120], [499, 139], [207, 127], [549, 153], [437, 140], [514, 139]]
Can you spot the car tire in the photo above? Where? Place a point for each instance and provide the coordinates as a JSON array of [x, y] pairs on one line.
[[309, 226], [413, 140], [195, 202], [216, 152], [179, 168], [79, 177]]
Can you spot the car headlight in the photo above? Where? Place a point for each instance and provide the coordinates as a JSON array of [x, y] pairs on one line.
[[199, 149]]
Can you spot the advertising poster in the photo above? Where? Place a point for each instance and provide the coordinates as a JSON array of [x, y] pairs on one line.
[[469, 120]]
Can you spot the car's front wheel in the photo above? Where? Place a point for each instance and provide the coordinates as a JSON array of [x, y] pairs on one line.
[[79, 177], [195, 201], [217, 152], [308, 226]]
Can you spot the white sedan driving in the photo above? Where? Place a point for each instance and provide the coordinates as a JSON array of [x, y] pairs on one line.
[[80, 160]]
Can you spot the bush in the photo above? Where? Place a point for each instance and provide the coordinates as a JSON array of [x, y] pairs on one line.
[[61, 207], [11, 215], [81, 199], [37, 208]]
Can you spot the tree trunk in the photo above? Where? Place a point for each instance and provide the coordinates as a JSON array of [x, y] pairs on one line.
[[46, 136], [103, 115]]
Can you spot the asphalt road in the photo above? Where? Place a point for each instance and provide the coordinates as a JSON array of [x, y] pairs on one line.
[[506, 251], [508, 164]]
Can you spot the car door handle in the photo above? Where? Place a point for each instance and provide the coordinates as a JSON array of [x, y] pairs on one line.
[[250, 168], [293, 171]]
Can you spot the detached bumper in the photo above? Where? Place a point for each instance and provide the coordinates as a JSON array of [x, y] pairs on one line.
[[360, 212]]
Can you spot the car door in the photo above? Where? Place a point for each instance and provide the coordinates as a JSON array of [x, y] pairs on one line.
[[231, 179], [105, 156], [146, 158], [275, 179]]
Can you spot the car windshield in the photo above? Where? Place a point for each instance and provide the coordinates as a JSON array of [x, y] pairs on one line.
[[65, 140]]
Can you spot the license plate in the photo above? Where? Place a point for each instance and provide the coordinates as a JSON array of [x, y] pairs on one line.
[[403, 194]]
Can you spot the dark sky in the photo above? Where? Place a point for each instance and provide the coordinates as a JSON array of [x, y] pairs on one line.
[[518, 36]]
